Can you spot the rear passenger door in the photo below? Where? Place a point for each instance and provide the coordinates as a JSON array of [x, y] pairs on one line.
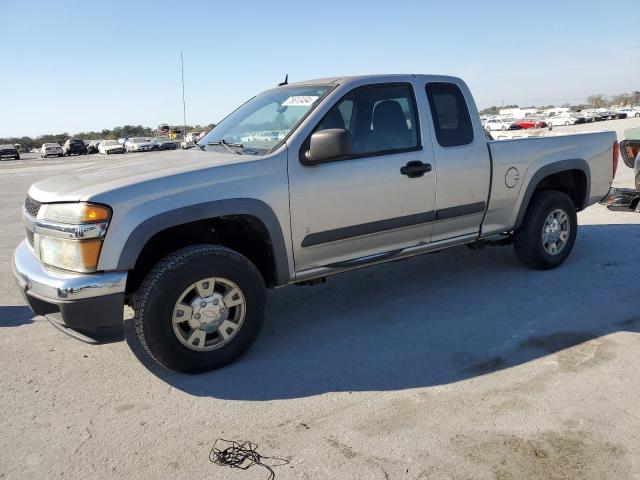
[[463, 167]]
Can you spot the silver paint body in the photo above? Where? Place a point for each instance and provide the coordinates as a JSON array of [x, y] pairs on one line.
[[310, 199]]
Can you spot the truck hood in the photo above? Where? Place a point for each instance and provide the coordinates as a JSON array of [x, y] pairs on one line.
[[110, 174]]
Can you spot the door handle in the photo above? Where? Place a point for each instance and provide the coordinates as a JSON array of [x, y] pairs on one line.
[[415, 169]]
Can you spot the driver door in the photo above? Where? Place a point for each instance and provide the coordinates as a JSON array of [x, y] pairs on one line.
[[364, 205]]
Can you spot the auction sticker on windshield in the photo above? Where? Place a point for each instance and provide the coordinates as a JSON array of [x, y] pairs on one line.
[[300, 101]]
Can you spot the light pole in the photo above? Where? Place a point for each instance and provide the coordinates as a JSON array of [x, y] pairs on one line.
[[184, 105]]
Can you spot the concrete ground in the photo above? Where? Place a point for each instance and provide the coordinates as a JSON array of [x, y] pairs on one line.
[[461, 365]]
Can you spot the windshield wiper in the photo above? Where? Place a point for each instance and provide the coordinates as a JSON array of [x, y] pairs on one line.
[[229, 146]]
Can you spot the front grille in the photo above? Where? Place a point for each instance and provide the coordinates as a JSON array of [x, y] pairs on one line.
[[30, 237], [32, 207]]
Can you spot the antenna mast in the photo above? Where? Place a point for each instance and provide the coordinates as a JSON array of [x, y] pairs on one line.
[[184, 105]]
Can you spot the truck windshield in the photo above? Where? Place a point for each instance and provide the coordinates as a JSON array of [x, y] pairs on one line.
[[266, 120]]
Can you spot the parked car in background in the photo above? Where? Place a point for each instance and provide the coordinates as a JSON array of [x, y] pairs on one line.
[[501, 124], [9, 151], [608, 114], [531, 122], [93, 146], [627, 199], [141, 144], [193, 136], [51, 149], [191, 139], [74, 146], [166, 144], [110, 146], [565, 119], [630, 111]]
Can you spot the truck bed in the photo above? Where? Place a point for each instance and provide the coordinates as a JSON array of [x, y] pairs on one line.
[[515, 162]]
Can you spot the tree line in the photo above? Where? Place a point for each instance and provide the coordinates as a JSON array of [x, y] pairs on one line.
[[106, 134], [598, 100]]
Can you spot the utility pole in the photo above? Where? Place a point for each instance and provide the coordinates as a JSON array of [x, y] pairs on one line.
[[184, 105]]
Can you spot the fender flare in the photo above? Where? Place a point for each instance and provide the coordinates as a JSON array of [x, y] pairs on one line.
[[551, 169], [203, 211]]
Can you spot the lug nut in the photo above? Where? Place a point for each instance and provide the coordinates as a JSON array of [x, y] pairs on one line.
[[197, 316]]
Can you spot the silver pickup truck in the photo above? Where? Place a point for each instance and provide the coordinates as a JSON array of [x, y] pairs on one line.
[[301, 182]]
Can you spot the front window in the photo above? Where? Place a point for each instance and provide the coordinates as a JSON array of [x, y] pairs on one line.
[[380, 118], [266, 120]]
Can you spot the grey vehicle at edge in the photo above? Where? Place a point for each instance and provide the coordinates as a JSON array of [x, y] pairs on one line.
[[303, 181]]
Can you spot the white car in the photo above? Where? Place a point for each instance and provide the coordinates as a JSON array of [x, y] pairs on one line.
[[499, 124], [565, 119], [110, 146], [191, 139], [194, 136], [631, 112], [48, 149], [141, 144]]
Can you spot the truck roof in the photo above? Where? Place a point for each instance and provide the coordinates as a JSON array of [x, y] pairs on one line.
[[351, 78]]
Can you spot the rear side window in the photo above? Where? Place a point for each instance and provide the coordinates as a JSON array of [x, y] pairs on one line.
[[450, 114]]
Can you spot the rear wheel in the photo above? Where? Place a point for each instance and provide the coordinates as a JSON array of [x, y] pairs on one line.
[[200, 308], [548, 231]]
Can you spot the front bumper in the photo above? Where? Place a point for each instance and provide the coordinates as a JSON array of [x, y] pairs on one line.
[[87, 306], [622, 200]]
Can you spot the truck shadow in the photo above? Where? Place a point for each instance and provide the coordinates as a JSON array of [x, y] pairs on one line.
[[13, 316], [430, 320]]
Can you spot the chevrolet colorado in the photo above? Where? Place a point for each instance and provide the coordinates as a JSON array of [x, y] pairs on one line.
[[301, 182]]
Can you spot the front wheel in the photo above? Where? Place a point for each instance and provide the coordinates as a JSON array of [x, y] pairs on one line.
[[200, 308], [548, 231]]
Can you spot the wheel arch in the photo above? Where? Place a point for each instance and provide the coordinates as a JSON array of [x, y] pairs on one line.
[[572, 176], [205, 218]]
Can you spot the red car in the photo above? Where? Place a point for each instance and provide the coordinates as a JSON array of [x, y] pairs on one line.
[[531, 122]]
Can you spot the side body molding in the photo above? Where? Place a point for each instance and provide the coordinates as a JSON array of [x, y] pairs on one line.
[[545, 171], [202, 211]]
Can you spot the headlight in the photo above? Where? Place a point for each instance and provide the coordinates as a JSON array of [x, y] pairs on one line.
[[74, 213], [76, 255], [69, 235]]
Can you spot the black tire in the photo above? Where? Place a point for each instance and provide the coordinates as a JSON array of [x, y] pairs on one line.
[[527, 240], [160, 290]]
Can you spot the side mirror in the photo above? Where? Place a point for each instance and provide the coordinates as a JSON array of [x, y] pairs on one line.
[[330, 144]]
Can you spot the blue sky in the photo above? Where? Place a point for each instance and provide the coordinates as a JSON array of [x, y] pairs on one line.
[[74, 66]]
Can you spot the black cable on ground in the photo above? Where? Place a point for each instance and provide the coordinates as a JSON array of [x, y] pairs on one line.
[[242, 455]]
